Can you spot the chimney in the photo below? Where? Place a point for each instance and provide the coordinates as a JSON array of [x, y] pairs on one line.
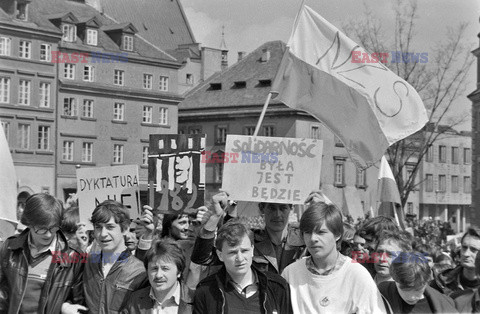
[[265, 55], [241, 55]]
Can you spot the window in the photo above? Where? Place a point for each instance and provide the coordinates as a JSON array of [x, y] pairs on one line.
[[442, 153], [454, 155], [429, 157], [44, 95], [4, 90], [339, 173], [147, 114], [88, 73], [361, 179], [69, 32], [442, 183], [429, 183], [189, 79], [118, 154], [23, 136], [221, 134], [118, 111], [338, 142], [24, 92], [92, 35], [467, 156], [218, 172], [268, 130], [45, 52], [67, 154], [87, 152], [410, 208], [44, 137], [163, 116], [147, 81], [69, 107], [87, 110], [249, 130], [25, 49], [5, 46], [6, 130], [466, 185], [128, 43], [118, 77], [21, 13], [163, 83], [69, 71], [145, 155], [454, 184], [315, 132]]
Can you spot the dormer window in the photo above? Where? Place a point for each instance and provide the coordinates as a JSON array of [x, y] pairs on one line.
[[128, 42], [21, 13], [92, 37], [69, 32]]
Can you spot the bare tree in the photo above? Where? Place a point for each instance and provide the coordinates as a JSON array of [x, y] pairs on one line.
[[440, 82]]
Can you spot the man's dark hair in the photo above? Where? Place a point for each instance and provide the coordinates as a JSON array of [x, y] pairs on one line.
[[401, 238], [42, 210], [316, 214], [108, 209], [167, 250], [374, 227], [232, 233], [472, 233], [410, 271]]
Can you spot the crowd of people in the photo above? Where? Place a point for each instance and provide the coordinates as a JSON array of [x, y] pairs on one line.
[[209, 261]]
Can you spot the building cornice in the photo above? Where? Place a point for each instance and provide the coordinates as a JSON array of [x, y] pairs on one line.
[[116, 92]]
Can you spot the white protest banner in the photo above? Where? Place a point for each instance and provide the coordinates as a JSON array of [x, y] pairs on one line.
[[271, 169], [95, 185]]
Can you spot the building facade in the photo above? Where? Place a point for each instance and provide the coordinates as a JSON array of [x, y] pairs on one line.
[[107, 88], [445, 192]]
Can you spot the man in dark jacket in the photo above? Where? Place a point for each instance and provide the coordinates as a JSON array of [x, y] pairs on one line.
[[239, 287], [410, 292], [274, 247], [39, 272], [113, 274], [462, 277]]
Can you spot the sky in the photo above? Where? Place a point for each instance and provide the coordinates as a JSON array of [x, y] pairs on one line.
[[250, 23]]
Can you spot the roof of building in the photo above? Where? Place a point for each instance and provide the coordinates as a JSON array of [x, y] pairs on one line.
[[161, 22], [43, 12], [243, 84]]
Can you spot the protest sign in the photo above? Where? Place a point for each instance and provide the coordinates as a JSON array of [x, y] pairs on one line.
[[175, 174], [272, 169], [95, 185]]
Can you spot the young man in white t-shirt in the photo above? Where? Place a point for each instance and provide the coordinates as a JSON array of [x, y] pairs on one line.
[[327, 281]]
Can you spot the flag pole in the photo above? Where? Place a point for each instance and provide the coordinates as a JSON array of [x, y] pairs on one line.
[[262, 115]]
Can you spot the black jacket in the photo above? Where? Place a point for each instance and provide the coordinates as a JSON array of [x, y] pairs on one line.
[[274, 293], [63, 282]]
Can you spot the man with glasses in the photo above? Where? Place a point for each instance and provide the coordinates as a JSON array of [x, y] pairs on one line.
[[32, 277]]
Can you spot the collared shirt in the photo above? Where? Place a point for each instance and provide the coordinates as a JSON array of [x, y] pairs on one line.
[[33, 249], [247, 291], [171, 303]]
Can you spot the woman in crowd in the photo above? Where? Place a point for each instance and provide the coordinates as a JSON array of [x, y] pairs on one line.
[[327, 281], [167, 293]]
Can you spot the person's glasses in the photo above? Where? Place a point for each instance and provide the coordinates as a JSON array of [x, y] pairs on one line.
[[45, 230]]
